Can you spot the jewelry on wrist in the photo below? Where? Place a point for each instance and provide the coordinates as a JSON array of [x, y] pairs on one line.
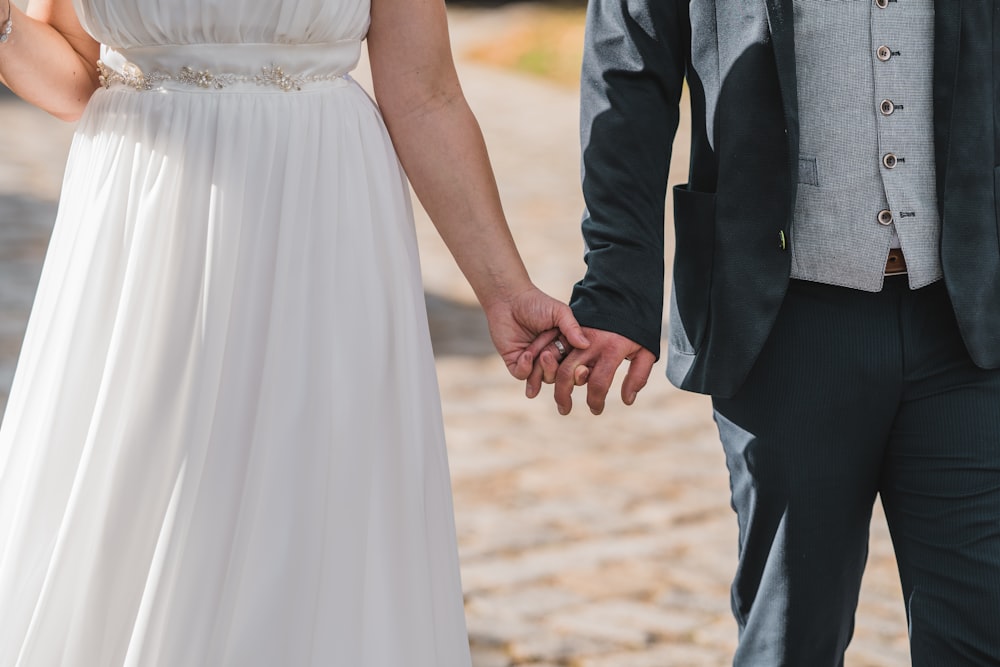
[[8, 25]]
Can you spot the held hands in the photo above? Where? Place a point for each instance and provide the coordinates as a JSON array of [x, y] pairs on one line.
[[540, 341], [594, 366], [523, 325]]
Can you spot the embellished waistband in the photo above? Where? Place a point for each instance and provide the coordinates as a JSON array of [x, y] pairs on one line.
[[228, 66]]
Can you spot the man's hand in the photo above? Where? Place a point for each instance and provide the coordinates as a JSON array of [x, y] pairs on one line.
[[596, 367]]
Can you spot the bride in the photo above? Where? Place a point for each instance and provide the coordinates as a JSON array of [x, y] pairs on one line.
[[223, 444]]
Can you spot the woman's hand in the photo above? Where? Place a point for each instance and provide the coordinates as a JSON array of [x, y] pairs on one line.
[[521, 326]]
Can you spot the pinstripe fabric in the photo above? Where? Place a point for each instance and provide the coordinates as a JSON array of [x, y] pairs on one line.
[[836, 237], [857, 394]]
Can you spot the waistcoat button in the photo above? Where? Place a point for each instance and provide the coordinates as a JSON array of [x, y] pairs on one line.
[[885, 217], [890, 161], [883, 53], [881, 4], [887, 107]]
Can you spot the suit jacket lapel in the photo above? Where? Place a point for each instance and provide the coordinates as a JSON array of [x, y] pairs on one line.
[[782, 27], [947, 33]]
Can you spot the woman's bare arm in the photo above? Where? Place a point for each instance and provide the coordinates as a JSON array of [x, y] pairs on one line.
[[49, 60], [443, 153], [439, 142]]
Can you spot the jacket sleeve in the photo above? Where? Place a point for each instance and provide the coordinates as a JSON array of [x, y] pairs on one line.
[[633, 75]]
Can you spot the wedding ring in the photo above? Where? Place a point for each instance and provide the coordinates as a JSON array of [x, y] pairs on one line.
[[561, 348]]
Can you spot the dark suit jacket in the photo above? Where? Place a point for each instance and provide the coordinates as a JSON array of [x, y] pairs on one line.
[[730, 269]]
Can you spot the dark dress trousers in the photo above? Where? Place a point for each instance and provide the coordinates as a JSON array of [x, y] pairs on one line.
[[825, 397]]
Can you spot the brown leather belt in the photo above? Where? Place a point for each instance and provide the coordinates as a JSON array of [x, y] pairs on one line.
[[896, 263]]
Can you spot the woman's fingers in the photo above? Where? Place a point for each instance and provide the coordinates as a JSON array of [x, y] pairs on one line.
[[571, 329]]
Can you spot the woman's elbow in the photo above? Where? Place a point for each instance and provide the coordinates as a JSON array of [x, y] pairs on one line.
[[72, 109], [398, 104]]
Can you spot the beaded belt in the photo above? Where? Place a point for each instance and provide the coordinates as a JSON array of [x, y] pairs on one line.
[[223, 66]]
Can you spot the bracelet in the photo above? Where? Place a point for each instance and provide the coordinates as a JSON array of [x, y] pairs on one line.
[[8, 26]]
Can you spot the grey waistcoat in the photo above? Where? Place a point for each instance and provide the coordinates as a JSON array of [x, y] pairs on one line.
[[866, 172]]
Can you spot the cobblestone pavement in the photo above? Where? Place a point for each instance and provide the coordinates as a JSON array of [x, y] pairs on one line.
[[585, 542]]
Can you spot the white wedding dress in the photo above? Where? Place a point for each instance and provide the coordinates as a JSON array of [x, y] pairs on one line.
[[223, 445]]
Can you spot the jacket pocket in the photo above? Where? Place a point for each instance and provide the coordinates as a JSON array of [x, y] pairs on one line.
[[694, 250]]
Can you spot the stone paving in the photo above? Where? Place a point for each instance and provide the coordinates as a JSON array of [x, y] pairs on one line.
[[585, 542]]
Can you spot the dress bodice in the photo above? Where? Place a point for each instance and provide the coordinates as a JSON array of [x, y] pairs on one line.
[[137, 23]]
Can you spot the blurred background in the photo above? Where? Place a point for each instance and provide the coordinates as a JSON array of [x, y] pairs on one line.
[[585, 542]]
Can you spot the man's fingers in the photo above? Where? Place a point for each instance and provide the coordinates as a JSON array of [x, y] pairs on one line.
[[637, 376], [565, 381], [548, 361], [599, 383], [596, 367]]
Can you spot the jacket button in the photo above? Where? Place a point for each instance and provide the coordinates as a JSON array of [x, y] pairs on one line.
[[889, 160], [881, 4], [885, 217], [887, 107], [883, 53]]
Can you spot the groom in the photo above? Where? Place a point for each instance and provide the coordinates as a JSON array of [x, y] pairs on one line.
[[836, 289]]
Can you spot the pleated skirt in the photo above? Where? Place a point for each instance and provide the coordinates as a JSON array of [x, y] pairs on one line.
[[223, 444]]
